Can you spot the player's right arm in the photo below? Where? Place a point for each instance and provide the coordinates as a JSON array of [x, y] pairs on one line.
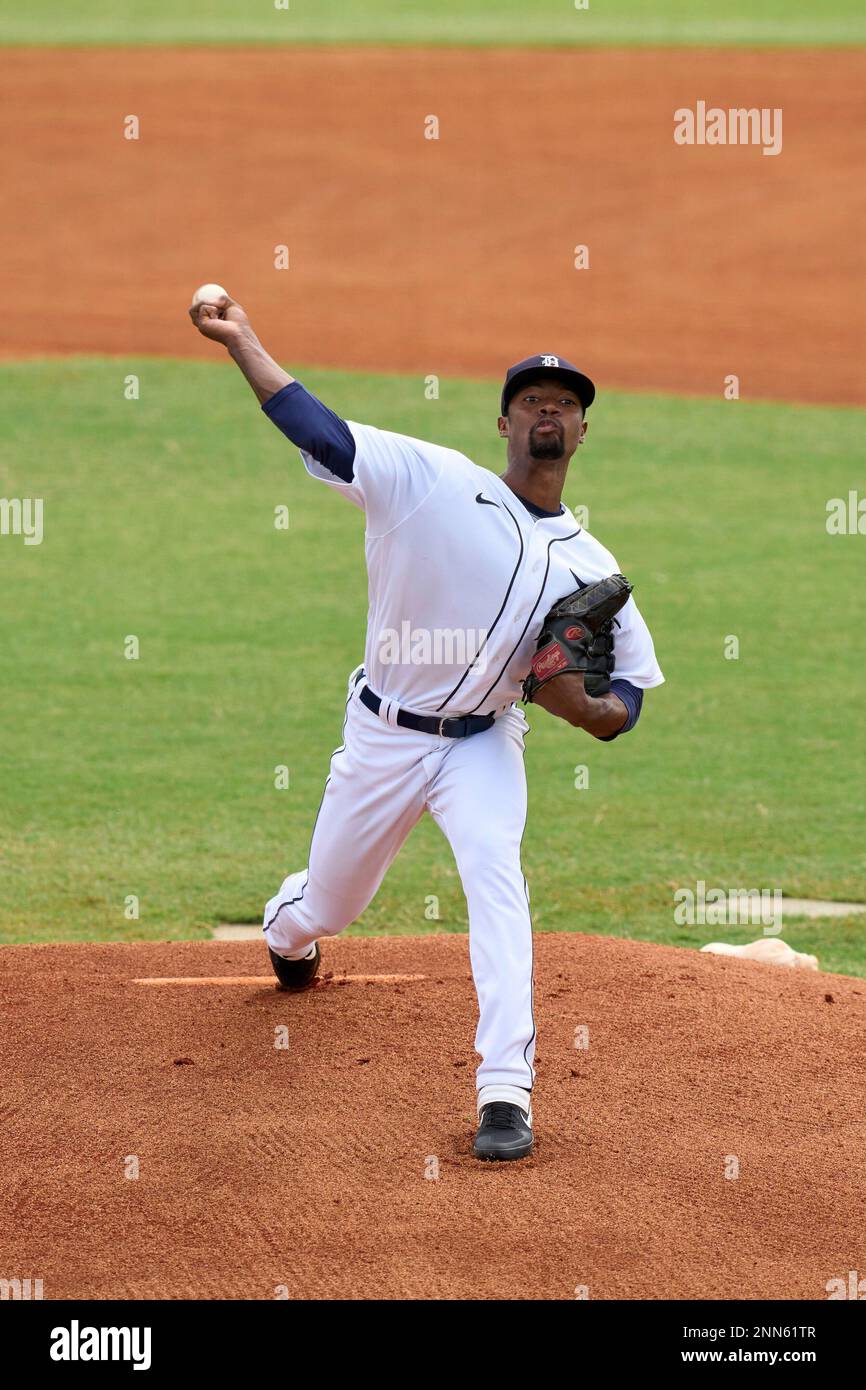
[[226, 322], [385, 474], [303, 419]]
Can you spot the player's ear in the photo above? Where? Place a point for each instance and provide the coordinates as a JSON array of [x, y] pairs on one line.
[[583, 429], [503, 426]]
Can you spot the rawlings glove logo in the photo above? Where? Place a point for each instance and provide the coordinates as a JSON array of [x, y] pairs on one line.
[[585, 647]]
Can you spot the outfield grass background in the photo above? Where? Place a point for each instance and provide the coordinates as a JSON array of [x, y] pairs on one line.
[[523, 22], [156, 777]]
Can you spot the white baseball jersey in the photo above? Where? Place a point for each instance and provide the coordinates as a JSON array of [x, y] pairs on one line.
[[461, 576]]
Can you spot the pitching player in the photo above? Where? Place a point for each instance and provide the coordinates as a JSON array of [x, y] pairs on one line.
[[463, 567]]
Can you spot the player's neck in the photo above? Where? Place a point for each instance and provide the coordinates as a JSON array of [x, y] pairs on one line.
[[539, 481]]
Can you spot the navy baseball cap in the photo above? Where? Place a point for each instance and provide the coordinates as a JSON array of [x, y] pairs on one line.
[[547, 364]]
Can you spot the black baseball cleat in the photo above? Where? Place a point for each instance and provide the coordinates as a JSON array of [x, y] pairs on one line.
[[505, 1131], [296, 974]]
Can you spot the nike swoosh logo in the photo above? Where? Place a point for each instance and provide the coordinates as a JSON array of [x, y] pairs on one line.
[[481, 498]]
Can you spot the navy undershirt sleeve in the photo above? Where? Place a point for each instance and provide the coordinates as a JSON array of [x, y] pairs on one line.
[[632, 698], [314, 428]]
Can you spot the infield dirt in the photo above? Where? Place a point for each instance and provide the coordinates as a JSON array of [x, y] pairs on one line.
[[453, 255], [708, 1143]]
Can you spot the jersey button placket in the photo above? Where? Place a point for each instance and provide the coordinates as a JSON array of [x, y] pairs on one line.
[[533, 562]]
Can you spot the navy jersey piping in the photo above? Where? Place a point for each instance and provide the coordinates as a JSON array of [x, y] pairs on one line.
[[498, 615], [553, 541]]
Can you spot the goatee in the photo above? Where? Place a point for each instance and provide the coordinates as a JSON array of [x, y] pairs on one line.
[[549, 446]]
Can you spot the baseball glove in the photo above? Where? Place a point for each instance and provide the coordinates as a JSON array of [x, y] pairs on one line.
[[577, 635]]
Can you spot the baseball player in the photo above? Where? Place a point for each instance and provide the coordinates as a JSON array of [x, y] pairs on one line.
[[467, 575]]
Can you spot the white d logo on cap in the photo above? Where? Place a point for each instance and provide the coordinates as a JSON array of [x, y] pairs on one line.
[[550, 361]]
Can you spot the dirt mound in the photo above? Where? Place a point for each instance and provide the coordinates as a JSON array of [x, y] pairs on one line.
[[302, 1168]]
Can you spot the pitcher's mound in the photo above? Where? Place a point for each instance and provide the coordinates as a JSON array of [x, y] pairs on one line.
[[699, 1126]]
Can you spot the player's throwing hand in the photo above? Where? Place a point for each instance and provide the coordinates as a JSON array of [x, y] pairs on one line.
[[219, 317], [216, 315]]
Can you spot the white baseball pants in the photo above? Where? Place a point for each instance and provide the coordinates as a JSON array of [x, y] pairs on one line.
[[382, 779]]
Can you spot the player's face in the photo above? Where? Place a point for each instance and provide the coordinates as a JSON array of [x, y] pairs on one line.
[[544, 421]]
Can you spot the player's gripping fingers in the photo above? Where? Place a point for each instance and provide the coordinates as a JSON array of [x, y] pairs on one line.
[[206, 319], [231, 311], [219, 322], [199, 312]]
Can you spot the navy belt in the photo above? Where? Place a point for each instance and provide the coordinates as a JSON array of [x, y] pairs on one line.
[[428, 723]]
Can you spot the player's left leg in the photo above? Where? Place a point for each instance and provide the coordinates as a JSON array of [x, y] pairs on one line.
[[478, 798]]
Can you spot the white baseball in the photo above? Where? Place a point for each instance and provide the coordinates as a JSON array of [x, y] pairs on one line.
[[209, 294]]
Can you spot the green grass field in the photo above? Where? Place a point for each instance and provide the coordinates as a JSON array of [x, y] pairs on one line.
[[447, 21], [155, 777]]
